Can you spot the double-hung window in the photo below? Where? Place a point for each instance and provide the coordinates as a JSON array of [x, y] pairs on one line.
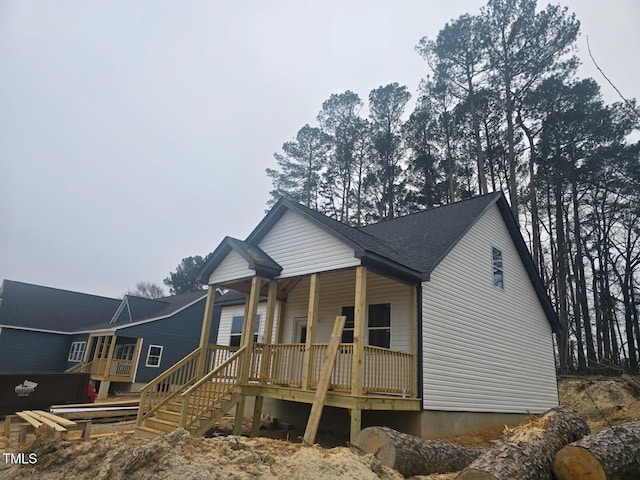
[[236, 330], [378, 328], [76, 353], [154, 355]]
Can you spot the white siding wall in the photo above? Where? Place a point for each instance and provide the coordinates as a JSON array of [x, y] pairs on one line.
[[337, 290], [233, 267], [224, 330], [485, 349], [300, 247]]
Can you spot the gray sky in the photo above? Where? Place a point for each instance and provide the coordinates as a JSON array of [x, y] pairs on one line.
[[133, 134]]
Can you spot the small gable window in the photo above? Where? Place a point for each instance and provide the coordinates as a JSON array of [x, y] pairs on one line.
[[76, 353], [154, 355], [236, 330], [498, 271]]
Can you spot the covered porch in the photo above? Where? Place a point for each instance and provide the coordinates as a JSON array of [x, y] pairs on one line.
[[109, 358], [375, 363]]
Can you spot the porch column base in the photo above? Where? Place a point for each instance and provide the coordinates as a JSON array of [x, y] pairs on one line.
[[103, 391]]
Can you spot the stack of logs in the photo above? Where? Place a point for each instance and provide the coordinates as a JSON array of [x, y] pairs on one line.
[[554, 443]]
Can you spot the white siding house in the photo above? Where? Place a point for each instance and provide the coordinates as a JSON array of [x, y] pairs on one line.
[[456, 325]]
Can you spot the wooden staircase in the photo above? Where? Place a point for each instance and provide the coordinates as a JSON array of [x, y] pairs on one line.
[[178, 399]]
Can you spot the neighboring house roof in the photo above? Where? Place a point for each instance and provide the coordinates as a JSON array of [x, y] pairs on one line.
[[145, 309], [411, 246], [44, 308]]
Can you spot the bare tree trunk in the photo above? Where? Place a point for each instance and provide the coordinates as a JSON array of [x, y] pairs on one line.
[[613, 453], [527, 453], [411, 455]]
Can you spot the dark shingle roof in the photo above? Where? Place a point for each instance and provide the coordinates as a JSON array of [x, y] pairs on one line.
[[147, 309], [426, 237], [255, 257], [45, 308]]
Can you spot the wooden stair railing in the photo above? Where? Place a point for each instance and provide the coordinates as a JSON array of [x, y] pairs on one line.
[[167, 385], [213, 391], [84, 367]]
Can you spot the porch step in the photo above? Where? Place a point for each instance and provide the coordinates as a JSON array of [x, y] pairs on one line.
[[143, 431], [164, 426]]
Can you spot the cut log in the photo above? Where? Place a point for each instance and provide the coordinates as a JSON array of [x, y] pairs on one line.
[[612, 454], [527, 452], [411, 455]]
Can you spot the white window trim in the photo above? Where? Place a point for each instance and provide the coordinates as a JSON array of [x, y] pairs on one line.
[[159, 356], [77, 351]]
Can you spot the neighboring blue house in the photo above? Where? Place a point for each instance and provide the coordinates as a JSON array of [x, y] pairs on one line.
[[122, 342]]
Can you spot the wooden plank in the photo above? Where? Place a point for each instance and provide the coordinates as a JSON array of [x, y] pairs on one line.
[[29, 414], [107, 370], [324, 381], [29, 419], [59, 420], [312, 314], [360, 311], [237, 423], [116, 403], [205, 332]]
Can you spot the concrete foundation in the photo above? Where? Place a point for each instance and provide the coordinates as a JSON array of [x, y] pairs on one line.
[[429, 424], [103, 390]]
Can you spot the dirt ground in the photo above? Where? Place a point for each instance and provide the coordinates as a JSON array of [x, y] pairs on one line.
[[115, 454]]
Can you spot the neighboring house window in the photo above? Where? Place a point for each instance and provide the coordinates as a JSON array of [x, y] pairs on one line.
[[76, 354], [236, 330], [125, 352], [154, 356], [498, 272], [379, 327]]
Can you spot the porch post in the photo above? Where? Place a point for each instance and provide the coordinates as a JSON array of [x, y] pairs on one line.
[[360, 311], [312, 314], [248, 327], [357, 366], [266, 354], [87, 352], [413, 331], [105, 383], [134, 359], [206, 331]]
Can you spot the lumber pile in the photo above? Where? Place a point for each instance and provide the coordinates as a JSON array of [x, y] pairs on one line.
[[612, 454], [34, 421], [527, 453], [411, 455]]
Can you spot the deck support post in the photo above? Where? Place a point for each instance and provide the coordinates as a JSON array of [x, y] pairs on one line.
[[257, 416], [356, 425], [312, 316], [206, 331], [135, 358], [360, 312], [237, 423], [87, 353]]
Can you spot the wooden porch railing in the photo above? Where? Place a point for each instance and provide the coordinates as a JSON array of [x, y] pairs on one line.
[[210, 390], [388, 371], [341, 373], [167, 385], [216, 354], [284, 364], [121, 368]]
